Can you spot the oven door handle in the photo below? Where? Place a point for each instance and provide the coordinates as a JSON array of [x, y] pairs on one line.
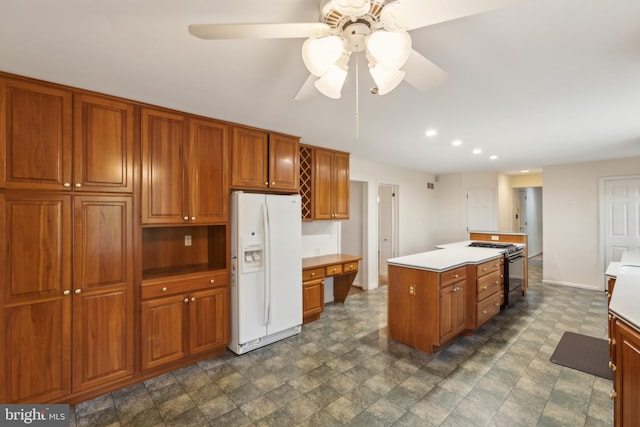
[[515, 258]]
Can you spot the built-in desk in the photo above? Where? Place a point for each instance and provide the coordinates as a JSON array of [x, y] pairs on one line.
[[341, 267]]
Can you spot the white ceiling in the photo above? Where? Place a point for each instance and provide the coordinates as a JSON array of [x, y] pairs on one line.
[[542, 82]]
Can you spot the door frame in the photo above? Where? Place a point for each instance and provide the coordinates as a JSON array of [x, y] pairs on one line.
[[601, 201], [394, 221]]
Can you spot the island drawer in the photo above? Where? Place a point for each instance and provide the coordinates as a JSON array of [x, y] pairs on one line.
[[332, 270], [452, 276], [488, 308], [488, 284], [488, 267], [312, 273]]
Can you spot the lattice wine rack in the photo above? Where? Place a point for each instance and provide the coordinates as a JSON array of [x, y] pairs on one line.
[[306, 158]]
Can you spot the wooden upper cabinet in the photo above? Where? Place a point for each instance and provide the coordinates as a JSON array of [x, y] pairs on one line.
[[264, 161], [103, 144], [36, 134], [330, 184], [60, 140], [208, 171], [184, 169]]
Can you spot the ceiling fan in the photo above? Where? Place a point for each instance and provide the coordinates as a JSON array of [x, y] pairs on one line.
[[379, 28]]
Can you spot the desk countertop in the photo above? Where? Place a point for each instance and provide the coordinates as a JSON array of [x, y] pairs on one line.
[[324, 260]]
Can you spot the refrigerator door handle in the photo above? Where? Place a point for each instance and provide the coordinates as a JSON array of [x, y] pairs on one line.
[[267, 266]]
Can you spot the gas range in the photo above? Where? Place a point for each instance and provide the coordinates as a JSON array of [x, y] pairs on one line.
[[510, 248]]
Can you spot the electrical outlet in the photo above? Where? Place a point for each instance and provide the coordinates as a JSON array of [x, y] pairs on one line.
[[187, 240], [495, 237]]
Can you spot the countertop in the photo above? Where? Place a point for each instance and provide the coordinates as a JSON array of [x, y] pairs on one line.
[[626, 294], [451, 256], [325, 260]]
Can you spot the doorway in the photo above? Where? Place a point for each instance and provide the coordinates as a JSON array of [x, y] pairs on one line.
[[528, 218], [620, 217], [387, 228]]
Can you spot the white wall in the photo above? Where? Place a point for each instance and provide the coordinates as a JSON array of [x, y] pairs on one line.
[[570, 211]]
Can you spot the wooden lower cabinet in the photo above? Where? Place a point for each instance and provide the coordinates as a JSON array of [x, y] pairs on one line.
[[312, 299], [67, 310], [178, 326], [487, 293], [426, 309], [626, 376]]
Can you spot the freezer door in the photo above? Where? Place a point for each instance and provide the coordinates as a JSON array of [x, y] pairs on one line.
[[284, 262]]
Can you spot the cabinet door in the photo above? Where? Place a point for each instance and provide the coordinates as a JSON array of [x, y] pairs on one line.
[[312, 299], [208, 171], [163, 175], [35, 328], [162, 330], [103, 295], [36, 129], [626, 375], [340, 186], [103, 144], [284, 163], [452, 306], [208, 320], [322, 182], [249, 151]]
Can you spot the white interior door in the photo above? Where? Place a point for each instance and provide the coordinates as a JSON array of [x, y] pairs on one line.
[[386, 235], [621, 217], [481, 210]]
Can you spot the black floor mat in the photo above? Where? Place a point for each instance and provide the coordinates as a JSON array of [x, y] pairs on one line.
[[584, 353]]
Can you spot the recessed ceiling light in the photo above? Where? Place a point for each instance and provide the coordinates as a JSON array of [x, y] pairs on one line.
[[477, 151], [524, 171], [431, 132], [456, 143], [493, 157]]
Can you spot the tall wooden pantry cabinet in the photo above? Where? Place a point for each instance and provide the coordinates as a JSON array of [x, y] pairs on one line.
[[66, 224]]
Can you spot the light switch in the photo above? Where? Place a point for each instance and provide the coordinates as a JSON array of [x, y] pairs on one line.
[[187, 240]]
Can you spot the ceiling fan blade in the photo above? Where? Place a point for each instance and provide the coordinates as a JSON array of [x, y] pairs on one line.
[[308, 89], [259, 31], [411, 14], [422, 73]]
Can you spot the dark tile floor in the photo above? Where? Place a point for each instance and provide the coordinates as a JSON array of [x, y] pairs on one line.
[[343, 370]]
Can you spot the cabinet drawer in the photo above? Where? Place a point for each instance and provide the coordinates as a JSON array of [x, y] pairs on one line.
[[169, 286], [332, 270], [488, 267], [451, 276], [488, 308], [348, 267], [488, 284], [315, 273]]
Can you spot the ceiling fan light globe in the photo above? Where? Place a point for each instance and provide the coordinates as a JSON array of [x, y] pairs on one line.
[[386, 79], [330, 85], [351, 8], [320, 54], [389, 48]]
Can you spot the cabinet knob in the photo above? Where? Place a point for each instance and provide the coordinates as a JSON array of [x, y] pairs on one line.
[[193, 218], [497, 304], [455, 276], [66, 185], [273, 183], [78, 185], [484, 288], [165, 289], [212, 281], [612, 341], [335, 269], [186, 300], [484, 269], [497, 282], [484, 311], [193, 299], [66, 292], [612, 366], [613, 395], [266, 183], [186, 218], [77, 291], [313, 273]]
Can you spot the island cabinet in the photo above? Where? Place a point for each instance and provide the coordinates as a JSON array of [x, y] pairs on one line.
[[58, 139], [265, 161], [426, 309], [184, 169], [66, 324], [487, 294], [626, 375], [184, 305]]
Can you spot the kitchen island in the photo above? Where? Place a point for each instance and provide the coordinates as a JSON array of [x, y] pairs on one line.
[[436, 296]]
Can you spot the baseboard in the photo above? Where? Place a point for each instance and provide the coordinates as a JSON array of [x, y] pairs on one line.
[[571, 285]]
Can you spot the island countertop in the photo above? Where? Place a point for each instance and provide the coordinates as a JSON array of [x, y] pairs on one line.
[[445, 259], [626, 294]]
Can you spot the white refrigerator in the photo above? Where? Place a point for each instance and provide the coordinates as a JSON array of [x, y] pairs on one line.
[[266, 269]]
